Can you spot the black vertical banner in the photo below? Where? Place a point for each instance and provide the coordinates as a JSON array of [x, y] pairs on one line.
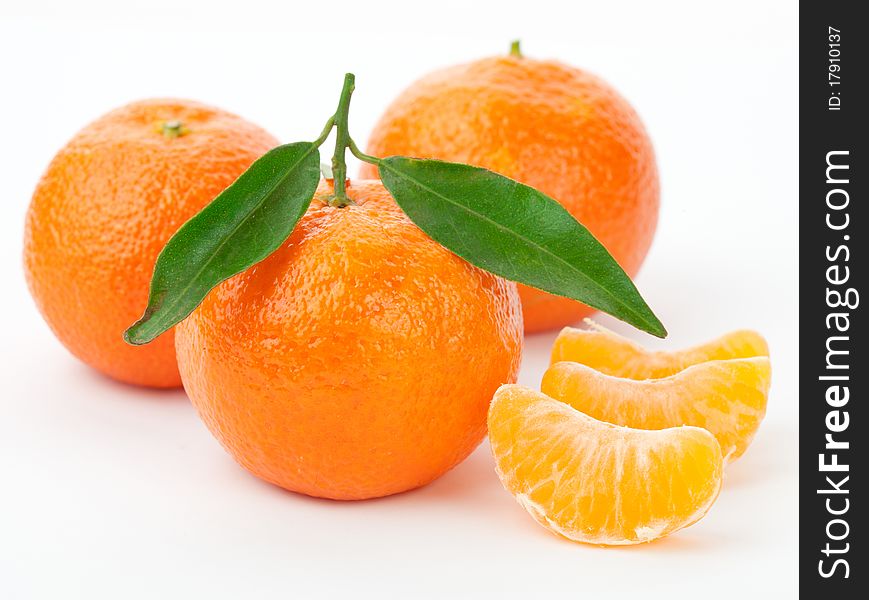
[[834, 57]]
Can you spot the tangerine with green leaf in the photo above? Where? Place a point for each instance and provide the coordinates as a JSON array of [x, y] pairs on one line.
[[355, 361], [105, 207], [344, 339], [552, 126]]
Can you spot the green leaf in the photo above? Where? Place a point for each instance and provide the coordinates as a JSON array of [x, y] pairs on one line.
[[516, 232], [248, 221]]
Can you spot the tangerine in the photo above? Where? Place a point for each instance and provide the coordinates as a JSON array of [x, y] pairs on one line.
[[549, 125], [356, 361], [105, 207]]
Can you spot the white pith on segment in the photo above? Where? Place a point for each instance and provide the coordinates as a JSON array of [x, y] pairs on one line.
[[593, 466], [608, 352], [726, 397]]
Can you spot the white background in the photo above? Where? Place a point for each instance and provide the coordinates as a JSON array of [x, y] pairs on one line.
[[108, 491]]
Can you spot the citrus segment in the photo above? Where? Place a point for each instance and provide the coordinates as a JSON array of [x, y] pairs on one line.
[[613, 354], [595, 482], [726, 397]]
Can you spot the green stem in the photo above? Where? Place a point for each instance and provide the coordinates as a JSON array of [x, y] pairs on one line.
[[173, 129], [325, 133], [342, 141], [355, 151], [515, 50]]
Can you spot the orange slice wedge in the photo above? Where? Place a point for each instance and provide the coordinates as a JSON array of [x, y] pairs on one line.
[[595, 482], [726, 397], [613, 354]]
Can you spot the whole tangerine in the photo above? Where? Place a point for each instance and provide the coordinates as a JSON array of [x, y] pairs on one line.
[[105, 207], [546, 124], [356, 361]]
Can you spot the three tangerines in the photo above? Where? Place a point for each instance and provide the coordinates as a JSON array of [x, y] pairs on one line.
[[362, 358]]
